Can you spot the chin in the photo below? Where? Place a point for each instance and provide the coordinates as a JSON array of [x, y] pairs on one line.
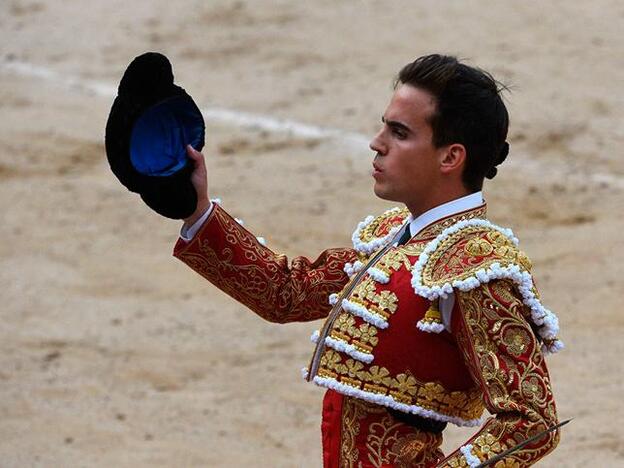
[[383, 194]]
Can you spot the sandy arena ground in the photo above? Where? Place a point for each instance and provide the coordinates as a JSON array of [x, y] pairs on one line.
[[114, 354]]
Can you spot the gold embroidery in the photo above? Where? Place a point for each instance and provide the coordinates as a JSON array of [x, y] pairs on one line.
[[398, 257], [503, 353], [382, 224], [404, 388], [486, 446], [462, 253], [363, 337], [388, 445], [232, 259], [478, 247], [383, 304], [516, 339], [378, 376], [381, 434], [352, 412], [370, 435], [366, 334]]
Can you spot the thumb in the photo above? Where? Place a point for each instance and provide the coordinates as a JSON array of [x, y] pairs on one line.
[[196, 156], [192, 153]]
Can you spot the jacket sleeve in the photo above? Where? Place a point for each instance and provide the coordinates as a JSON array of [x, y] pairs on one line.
[[233, 259], [505, 361]]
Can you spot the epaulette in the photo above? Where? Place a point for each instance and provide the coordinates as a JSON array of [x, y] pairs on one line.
[[374, 233], [471, 253]]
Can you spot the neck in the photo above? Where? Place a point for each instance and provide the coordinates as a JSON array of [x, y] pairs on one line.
[[419, 207]]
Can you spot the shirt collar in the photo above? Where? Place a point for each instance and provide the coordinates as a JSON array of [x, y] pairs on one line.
[[467, 202]]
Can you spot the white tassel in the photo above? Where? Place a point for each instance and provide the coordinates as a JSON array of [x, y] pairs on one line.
[[349, 349], [471, 460], [378, 275], [364, 314], [430, 327]]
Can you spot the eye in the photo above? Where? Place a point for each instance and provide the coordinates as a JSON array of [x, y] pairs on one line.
[[399, 133]]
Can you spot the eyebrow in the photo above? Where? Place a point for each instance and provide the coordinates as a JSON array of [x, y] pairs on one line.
[[396, 124]]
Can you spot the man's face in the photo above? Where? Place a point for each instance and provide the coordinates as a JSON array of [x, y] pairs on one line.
[[406, 165]]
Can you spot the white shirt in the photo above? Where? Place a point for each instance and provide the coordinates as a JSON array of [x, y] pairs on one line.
[[187, 233], [458, 205]]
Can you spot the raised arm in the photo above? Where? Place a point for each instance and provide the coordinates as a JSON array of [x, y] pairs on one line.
[[232, 259], [505, 360]]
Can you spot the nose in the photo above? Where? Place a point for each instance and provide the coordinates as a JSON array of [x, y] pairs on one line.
[[377, 144]]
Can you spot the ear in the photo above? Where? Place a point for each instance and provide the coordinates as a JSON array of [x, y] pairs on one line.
[[453, 158]]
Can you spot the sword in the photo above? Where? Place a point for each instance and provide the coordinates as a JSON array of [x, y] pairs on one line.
[[502, 455]]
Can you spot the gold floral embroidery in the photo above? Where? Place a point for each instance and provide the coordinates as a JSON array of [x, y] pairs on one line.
[[516, 339], [486, 446], [363, 337], [507, 360], [377, 375], [383, 303], [388, 445], [404, 388], [461, 254], [398, 257], [478, 247], [352, 412], [457, 462], [366, 333], [381, 225]]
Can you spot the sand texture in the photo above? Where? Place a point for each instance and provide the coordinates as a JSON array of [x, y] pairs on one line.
[[114, 354]]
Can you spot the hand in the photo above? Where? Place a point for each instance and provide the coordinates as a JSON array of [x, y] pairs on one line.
[[199, 179]]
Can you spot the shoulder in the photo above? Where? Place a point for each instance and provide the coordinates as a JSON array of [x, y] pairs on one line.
[[375, 232], [467, 254], [475, 252]]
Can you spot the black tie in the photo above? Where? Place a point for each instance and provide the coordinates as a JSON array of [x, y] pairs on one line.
[[407, 235]]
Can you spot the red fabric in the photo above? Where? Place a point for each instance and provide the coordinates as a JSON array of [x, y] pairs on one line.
[[403, 348], [330, 429]]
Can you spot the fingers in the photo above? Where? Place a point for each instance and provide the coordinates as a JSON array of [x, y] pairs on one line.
[[195, 155]]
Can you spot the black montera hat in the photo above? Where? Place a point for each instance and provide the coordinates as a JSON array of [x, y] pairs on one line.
[[149, 125]]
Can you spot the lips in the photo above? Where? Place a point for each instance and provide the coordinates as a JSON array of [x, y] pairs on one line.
[[376, 170]]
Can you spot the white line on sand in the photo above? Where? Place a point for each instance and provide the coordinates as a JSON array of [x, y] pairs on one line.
[[213, 114], [356, 141]]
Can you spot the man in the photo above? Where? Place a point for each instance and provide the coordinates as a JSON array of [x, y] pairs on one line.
[[432, 315]]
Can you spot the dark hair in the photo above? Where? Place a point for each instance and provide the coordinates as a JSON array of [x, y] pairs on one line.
[[469, 111]]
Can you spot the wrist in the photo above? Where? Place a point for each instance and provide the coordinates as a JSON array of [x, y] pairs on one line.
[[202, 206]]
